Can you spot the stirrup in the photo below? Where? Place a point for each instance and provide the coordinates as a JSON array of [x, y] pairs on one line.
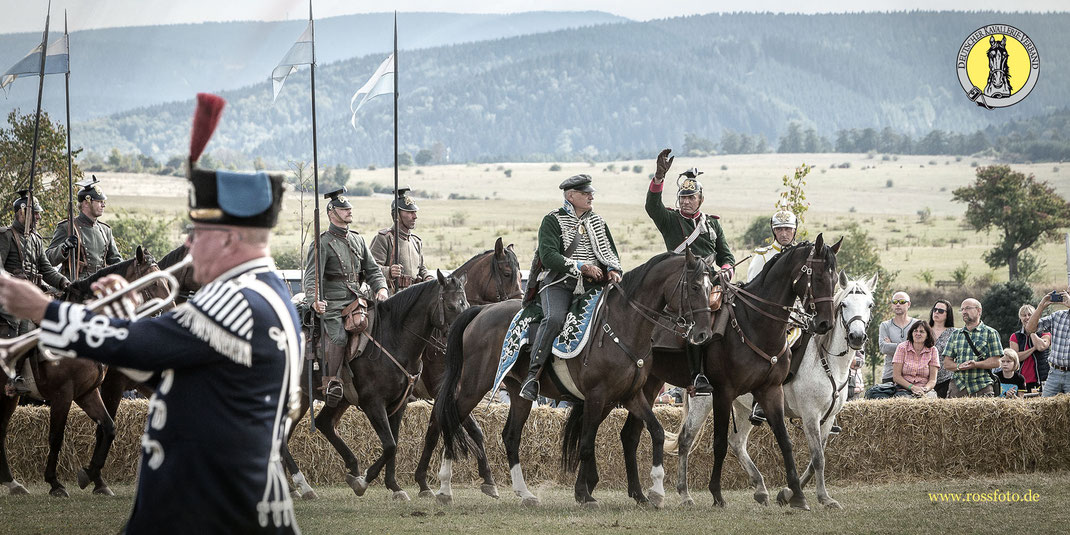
[[332, 394], [700, 386], [835, 429], [757, 415], [530, 390]]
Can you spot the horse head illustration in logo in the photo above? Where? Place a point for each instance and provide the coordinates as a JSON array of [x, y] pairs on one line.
[[999, 77]]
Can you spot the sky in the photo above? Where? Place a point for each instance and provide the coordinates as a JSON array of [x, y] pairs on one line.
[[28, 15]]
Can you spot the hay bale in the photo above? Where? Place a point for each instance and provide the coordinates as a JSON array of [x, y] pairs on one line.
[[889, 440]]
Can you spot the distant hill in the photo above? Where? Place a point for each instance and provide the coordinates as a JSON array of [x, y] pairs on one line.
[[118, 69], [620, 89]]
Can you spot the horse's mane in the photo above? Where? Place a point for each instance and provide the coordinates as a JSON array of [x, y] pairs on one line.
[[173, 257], [468, 263], [395, 311], [842, 293], [633, 279]]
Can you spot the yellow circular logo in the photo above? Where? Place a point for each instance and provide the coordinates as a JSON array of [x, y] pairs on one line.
[[998, 65]]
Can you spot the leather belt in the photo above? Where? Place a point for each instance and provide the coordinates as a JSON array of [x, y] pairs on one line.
[[1061, 368], [339, 278]]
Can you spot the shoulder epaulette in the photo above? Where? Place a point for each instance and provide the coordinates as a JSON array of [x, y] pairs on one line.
[[64, 222], [103, 223], [713, 216], [385, 231], [763, 249]]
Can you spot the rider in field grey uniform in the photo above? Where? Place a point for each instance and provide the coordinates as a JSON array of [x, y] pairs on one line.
[[92, 242]]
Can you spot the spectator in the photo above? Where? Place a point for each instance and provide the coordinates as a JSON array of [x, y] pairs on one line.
[[856, 382], [915, 363], [1011, 383], [942, 323], [971, 353], [894, 331], [1032, 351], [1058, 324]]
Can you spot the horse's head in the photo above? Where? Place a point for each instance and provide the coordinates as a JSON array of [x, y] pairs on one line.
[[506, 272], [451, 301], [855, 308], [695, 298], [491, 276], [815, 282], [142, 265], [997, 54]]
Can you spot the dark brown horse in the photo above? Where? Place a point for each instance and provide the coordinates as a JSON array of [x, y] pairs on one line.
[[610, 370], [383, 377], [753, 357], [66, 380]]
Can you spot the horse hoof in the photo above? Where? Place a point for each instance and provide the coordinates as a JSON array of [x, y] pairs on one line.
[[783, 497], [444, 499], [762, 498], [59, 492], [801, 504], [401, 496], [83, 479], [16, 489], [357, 483], [833, 504], [310, 495], [426, 493], [688, 502], [103, 490], [530, 501], [591, 504], [489, 490], [719, 502], [657, 500]]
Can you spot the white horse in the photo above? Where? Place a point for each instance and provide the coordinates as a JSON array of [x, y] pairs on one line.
[[816, 395]]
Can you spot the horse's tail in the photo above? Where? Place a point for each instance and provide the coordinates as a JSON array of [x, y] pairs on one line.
[[570, 441], [672, 440], [445, 412]]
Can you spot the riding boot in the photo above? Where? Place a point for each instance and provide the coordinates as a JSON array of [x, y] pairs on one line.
[[701, 384], [530, 389], [332, 392], [757, 415]]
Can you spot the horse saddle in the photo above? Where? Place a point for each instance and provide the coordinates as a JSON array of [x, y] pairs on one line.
[[28, 385]]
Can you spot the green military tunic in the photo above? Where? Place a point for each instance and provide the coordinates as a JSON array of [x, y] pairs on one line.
[[675, 228], [594, 244], [410, 257], [96, 246], [345, 263], [23, 256]]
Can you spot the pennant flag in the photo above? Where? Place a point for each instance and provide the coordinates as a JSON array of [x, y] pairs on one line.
[[57, 61], [300, 54], [381, 83]]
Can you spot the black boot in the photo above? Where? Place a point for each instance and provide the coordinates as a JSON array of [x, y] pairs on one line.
[[332, 392], [757, 415], [530, 389], [701, 384]]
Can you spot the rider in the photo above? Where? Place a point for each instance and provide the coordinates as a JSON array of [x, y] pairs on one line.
[[688, 227], [345, 263], [92, 239], [576, 250], [408, 267]]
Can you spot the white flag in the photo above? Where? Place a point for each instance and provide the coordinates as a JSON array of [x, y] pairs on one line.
[[57, 61], [381, 83], [300, 54]]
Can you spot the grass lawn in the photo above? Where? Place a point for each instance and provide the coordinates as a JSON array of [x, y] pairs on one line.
[[876, 508]]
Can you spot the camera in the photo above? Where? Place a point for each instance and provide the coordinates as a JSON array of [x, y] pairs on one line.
[[1056, 297]]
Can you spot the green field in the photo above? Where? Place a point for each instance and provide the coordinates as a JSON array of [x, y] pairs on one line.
[[875, 508], [511, 207]]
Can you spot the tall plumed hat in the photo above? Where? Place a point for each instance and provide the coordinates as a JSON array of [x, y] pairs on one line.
[[226, 197]]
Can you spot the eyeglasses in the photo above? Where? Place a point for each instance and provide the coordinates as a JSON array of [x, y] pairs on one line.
[[939, 311], [194, 231], [899, 301]]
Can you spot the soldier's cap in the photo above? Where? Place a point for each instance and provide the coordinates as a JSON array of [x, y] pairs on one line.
[[336, 199], [23, 198], [90, 190], [688, 183], [578, 183], [402, 201], [226, 197], [784, 219]]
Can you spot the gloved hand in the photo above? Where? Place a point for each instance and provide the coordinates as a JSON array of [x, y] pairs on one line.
[[70, 243], [664, 163]]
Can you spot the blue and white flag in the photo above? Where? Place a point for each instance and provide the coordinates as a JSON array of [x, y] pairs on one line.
[[381, 83], [57, 61], [300, 54]]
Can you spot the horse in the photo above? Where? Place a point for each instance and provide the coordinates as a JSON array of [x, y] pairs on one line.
[[489, 277], [383, 377], [816, 393], [610, 370], [999, 76], [752, 357], [63, 381]]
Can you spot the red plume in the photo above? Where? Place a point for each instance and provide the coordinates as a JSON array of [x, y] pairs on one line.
[[205, 119]]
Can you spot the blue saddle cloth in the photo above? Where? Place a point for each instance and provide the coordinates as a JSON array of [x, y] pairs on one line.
[[569, 343]]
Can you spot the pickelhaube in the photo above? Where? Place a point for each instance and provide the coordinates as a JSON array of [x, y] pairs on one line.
[[226, 197], [23, 198], [688, 183], [90, 190], [784, 219], [578, 183], [402, 201], [336, 199]]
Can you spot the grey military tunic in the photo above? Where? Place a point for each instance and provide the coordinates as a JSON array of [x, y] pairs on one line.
[[345, 263], [23, 256], [96, 246], [410, 257]]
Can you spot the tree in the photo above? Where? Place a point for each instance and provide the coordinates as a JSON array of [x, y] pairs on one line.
[[50, 180], [696, 145], [792, 141], [793, 198], [1000, 305], [155, 234], [423, 157], [757, 233], [1025, 210]]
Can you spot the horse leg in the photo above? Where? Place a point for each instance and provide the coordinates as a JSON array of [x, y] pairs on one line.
[[60, 408], [737, 440], [94, 407], [772, 400], [697, 409], [488, 486], [640, 406], [303, 488], [519, 409], [630, 434], [722, 407], [390, 476], [430, 442], [381, 424], [817, 438], [594, 412], [326, 422], [7, 408]]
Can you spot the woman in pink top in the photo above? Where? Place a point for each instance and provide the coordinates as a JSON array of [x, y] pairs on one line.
[[916, 363]]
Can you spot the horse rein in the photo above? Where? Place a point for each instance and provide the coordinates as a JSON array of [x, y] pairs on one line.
[[825, 354], [679, 321]]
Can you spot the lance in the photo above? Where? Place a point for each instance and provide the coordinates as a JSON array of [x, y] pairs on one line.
[[30, 219], [396, 203], [317, 286], [72, 258]]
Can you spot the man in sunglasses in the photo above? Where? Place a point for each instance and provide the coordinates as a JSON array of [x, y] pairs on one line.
[[894, 331]]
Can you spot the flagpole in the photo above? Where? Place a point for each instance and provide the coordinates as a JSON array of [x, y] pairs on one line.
[[396, 200], [318, 287], [71, 258], [37, 123]]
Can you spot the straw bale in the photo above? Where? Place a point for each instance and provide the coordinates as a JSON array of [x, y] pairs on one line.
[[888, 440]]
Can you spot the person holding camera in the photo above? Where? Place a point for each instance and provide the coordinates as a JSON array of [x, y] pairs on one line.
[[1058, 324]]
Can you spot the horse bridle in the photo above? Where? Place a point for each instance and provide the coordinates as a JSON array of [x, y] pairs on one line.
[[846, 323], [683, 320], [824, 354], [497, 270]]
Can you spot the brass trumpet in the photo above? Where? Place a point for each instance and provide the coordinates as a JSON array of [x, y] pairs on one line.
[[13, 349]]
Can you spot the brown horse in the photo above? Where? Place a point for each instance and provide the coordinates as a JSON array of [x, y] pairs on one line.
[[62, 381], [753, 357], [610, 370]]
